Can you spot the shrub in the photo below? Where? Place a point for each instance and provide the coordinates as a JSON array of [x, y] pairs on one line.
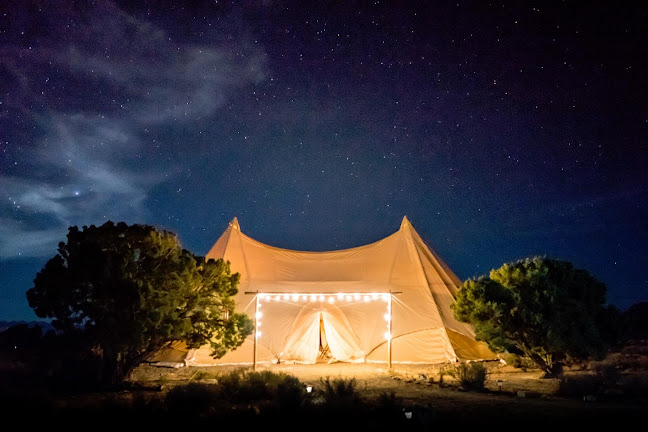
[[192, 400], [580, 385], [291, 393], [519, 361], [240, 386], [471, 376], [339, 392], [199, 399]]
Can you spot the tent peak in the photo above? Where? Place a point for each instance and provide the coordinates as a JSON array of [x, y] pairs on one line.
[[235, 224], [405, 222]]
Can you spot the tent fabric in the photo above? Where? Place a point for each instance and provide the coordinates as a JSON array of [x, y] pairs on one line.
[[344, 289]]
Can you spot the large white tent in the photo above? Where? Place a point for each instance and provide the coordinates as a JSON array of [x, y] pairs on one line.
[[382, 302]]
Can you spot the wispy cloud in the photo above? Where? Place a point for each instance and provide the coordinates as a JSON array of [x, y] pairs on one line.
[[115, 76]]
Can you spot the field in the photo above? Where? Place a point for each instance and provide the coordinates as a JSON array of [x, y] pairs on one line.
[[591, 399], [524, 396]]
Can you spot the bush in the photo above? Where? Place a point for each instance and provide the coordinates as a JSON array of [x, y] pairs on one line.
[[192, 400], [291, 393], [340, 392], [519, 361], [198, 399], [243, 387], [471, 376]]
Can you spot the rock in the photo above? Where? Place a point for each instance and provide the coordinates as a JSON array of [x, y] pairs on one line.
[[521, 394]]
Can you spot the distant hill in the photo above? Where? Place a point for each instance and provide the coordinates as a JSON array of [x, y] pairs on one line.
[[44, 325]]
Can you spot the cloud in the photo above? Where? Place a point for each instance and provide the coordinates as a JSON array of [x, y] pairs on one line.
[[91, 91]]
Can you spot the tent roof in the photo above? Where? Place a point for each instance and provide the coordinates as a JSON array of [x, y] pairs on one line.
[[377, 263]]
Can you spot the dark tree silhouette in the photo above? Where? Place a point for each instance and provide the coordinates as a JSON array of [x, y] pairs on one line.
[[130, 290], [543, 308]]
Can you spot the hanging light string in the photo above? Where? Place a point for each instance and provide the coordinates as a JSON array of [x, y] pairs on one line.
[[343, 299]]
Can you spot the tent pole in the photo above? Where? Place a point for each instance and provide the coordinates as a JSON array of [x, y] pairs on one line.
[[256, 314], [389, 342]]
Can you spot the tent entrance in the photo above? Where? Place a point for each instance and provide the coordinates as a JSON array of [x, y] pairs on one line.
[[324, 353]]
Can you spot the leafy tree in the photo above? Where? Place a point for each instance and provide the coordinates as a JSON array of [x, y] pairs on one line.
[[635, 321], [543, 308], [130, 290]]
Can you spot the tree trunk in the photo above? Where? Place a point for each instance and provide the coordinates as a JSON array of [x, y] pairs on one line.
[[551, 370]]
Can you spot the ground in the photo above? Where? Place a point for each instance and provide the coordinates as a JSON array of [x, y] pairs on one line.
[[524, 394]]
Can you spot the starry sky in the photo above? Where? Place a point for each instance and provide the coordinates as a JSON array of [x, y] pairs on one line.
[[501, 129]]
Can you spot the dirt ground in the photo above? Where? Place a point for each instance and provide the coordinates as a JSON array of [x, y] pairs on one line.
[[523, 395]]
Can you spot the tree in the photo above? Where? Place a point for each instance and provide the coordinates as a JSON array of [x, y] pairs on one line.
[[635, 321], [542, 308], [131, 290]]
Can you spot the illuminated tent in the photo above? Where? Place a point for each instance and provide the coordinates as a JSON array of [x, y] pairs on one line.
[[345, 305]]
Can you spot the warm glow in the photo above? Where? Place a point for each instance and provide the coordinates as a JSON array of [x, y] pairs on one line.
[[259, 315], [348, 298], [258, 334], [387, 317], [295, 297], [356, 297], [303, 297], [331, 300], [387, 335], [367, 299], [321, 298], [286, 296]]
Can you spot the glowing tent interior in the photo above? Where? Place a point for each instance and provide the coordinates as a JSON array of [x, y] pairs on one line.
[[388, 300]]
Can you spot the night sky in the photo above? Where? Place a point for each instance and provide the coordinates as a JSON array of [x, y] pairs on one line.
[[501, 129]]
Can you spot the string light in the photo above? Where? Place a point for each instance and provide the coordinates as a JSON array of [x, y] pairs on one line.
[[330, 298]]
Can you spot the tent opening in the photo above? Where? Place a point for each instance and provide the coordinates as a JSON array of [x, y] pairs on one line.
[[324, 350]]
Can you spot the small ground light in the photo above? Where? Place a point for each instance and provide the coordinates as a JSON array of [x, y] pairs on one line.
[[408, 415], [309, 388], [499, 384]]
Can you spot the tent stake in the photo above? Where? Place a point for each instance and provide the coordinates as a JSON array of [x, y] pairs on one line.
[[256, 336]]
